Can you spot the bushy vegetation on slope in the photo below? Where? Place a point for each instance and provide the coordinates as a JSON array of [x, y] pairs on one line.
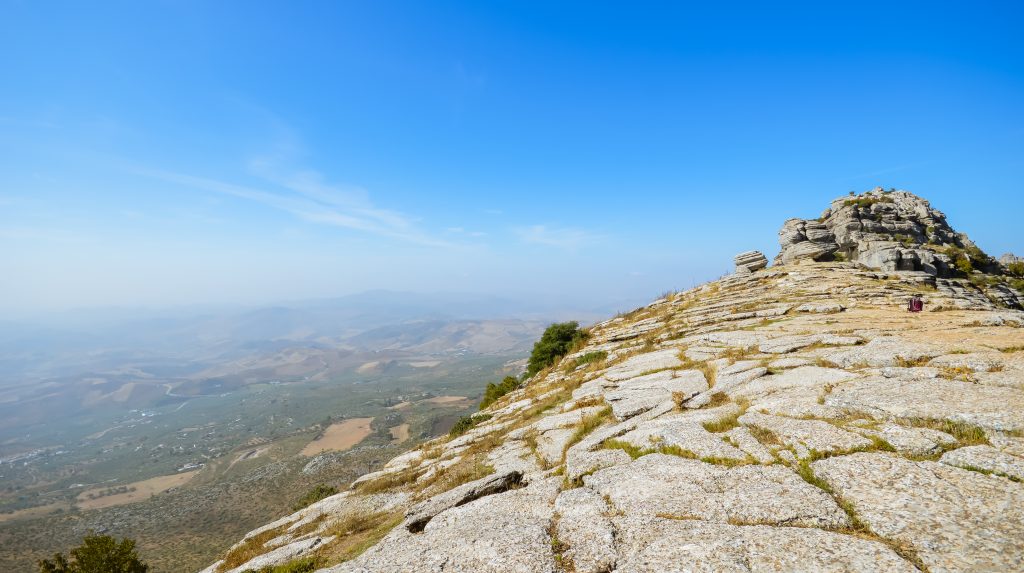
[[557, 341], [495, 391], [314, 495], [97, 554]]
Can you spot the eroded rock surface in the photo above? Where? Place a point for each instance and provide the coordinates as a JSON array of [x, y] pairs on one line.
[[795, 418]]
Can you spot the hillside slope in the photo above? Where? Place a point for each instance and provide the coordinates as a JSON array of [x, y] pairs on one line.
[[790, 418]]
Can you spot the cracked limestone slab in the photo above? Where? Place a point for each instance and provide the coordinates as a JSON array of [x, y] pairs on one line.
[[469, 539], [685, 431], [659, 545], [985, 458], [794, 392], [552, 443], [991, 407], [744, 440], [910, 441], [583, 525], [638, 365], [884, 351], [669, 485], [814, 435], [787, 344], [956, 520]]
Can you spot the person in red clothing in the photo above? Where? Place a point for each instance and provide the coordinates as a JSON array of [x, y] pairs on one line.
[[916, 304]]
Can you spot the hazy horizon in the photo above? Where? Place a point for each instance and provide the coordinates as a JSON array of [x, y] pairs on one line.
[[177, 154]]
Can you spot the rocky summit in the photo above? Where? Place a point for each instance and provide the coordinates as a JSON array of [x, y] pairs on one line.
[[789, 418]]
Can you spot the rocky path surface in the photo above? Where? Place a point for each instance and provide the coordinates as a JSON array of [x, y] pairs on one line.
[[794, 418]]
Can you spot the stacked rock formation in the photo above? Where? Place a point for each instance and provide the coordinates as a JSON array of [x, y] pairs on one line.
[[889, 231], [750, 261], [792, 419]]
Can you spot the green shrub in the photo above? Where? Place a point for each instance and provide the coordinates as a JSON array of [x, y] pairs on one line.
[[314, 495], [463, 424], [1016, 269], [97, 554], [555, 343], [495, 391], [590, 357]]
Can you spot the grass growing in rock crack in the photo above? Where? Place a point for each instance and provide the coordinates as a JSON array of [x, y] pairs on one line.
[[729, 421], [965, 433], [251, 547], [672, 450], [355, 533], [587, 425], [961, 373], [989, 472]]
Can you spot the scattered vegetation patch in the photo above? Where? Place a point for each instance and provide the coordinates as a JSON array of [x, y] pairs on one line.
[[967, 434], [1011, 349], [765, 436], [903, 362], [866, 202], [587, 425], [355, 533], [962, 373], [387, 482], [495, 391], [314, 495], [463, 424], [558, 340], [728, 422], [990, 472], [250, 548], [305, 565], [589, 358]]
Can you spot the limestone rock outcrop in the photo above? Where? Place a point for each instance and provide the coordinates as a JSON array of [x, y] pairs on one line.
[[792, 419], [750, 261], [889, 231]]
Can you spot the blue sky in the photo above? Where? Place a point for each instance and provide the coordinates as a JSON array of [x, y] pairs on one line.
[[167, 153]]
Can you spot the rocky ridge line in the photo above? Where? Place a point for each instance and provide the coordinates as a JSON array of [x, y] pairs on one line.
[[784, 419]]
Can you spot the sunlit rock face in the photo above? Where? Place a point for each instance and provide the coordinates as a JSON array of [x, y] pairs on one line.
[[889, 231], [789, 418]]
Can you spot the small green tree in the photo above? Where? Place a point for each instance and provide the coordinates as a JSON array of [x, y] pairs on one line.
[[556, 342], [495, 391], [97, 554]]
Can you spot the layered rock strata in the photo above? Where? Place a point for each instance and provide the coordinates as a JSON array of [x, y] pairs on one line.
[[792, 419]]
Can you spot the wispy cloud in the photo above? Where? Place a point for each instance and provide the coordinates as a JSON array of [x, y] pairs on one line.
[[569, 239], [305, 194]]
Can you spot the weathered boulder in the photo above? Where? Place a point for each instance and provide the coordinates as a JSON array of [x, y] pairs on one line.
[[891, 231], [750, 261]]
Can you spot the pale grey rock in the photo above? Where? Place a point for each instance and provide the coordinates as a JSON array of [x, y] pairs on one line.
[[986, 458], [658, 484], [552, 443], [794, 392], [505, 532], [883, 351], [283, 554], [583, 525], [565, 420], [990, 407], [820, 308], [420, 514], [742, 439], [1012, 445], [786, 344], [910, 441], [975, 361], [643, 363], [658, 545], [643, 393], [956, 520], [686, 432], [1005, 295], [788, 362], [806, 436], [750, 261]]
